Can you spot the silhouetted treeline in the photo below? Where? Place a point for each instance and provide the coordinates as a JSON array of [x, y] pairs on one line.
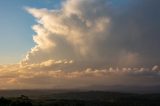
[[19, 101], [85, 99]]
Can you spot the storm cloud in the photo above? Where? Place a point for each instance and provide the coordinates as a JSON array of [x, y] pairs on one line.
[[119, 33], [91, 42]]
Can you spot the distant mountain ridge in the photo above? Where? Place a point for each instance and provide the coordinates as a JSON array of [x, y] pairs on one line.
[[125, 89]]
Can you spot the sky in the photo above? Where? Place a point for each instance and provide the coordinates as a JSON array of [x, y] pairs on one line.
[[15, 24], [79, 43]]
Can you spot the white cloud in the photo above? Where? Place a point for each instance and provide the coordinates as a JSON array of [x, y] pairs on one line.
[[70, 51], [155, 68], [76, 23]]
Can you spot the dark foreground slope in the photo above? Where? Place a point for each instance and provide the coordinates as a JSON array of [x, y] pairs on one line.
[[91, 98]]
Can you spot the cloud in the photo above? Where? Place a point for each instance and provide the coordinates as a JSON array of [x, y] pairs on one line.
[[76, 26], [155, 68], [97, 32], [58, 74], [86, 43], [135, 29]]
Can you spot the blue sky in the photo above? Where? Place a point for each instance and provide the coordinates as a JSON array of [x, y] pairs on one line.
[[15, 27], [84, 43]]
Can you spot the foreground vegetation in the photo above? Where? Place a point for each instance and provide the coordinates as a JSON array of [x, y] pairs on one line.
[[19, 101], [84, 99]]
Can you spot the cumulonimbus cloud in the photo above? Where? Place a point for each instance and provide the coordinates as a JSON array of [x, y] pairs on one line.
[[76, 24], [77, 46], [94, 31]]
